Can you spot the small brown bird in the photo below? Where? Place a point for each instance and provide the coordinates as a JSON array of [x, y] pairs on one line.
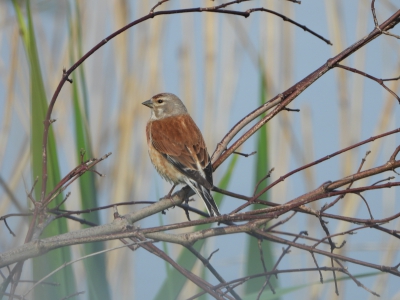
[[177, 149]]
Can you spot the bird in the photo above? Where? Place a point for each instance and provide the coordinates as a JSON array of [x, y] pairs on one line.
[[177, 149]]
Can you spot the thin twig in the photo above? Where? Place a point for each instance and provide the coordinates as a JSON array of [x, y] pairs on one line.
[[355, 279], [62, 202], [211, 255], [269, 229], [391, 79], [334, 278], [284, 18], [259, 242], [377, 24], [351, 231], [366, 203], [262, 179], [374, 14], [387, 179], [244, 154], [157, 5], [380, 81], [291, 109], [327, 206], [9, 229], [321, 279]]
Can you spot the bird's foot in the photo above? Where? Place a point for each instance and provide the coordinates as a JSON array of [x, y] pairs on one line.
[[170, 199]]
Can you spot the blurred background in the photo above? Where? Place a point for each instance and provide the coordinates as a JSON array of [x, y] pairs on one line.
[[222, 67]]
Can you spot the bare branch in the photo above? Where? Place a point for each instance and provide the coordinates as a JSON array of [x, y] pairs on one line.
[[244, 154], [157, 5], [380, 81], [286, 19]]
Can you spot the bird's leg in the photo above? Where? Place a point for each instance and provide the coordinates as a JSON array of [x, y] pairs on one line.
[[169, 195], [170, 192]]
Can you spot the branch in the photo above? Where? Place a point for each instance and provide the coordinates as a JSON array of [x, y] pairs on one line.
[[282, 178], [291, 21], [284, 99], [380, 81]]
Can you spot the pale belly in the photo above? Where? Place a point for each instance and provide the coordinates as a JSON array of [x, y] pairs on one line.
[[164, 168]]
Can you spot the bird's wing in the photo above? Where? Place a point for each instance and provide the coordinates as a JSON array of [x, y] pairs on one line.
[[180, 141]]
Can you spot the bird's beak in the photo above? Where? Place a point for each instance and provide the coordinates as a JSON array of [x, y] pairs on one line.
[[148, 103]]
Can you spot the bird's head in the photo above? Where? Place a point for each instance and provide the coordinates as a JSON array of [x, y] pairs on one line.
[[165, 105]]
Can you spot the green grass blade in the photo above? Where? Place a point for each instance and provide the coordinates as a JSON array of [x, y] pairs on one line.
[[252, 262], [47, 263], [95, 266], [174, 283]]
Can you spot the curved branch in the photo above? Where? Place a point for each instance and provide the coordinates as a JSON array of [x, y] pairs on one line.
[[380, 81], [282, 100]]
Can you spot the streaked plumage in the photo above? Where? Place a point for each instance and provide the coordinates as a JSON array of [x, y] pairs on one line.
[[177, 149]]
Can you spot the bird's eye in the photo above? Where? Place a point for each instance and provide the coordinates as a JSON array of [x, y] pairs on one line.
[[160, 101]]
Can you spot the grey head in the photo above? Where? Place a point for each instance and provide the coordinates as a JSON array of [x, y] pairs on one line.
[[165, 105]]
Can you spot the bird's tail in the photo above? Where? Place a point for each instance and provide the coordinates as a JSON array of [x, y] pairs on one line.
[[208, 199]]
